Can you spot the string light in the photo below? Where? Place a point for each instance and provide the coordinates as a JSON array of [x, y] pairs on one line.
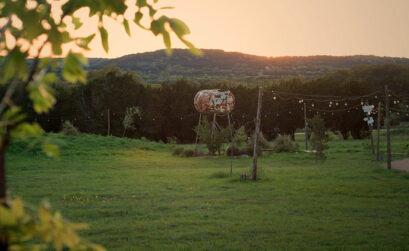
[[346, 103]]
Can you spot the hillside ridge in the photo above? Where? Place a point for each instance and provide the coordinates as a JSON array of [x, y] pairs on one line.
[[216, 64]]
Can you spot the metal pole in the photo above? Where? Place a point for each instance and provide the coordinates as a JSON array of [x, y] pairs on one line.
[[232, 145], [388, 129], [306, 127], [198, 130], [260, 95], [378, 157]]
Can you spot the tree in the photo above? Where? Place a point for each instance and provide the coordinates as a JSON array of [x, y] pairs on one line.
[[319, 137], [128, 121], [29, 27]]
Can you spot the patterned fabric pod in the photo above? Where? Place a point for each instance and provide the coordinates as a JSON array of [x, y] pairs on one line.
[[214, 101]]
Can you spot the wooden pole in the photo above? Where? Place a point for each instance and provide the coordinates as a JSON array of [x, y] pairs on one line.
[[378, 157], [388, 129], [306, 127], [198, 130], [109, 123], [213, 129], [260, 95], [232, 145]]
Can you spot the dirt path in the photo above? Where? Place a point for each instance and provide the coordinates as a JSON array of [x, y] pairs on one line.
[[402, 165]]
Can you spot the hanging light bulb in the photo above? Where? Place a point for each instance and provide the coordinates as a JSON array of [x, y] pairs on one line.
[[312, 105], [289, 112], [346, 103], [330, 102], [376, 96], [274, 97], [362, 102], [329, 105], [394, 102], [332, 113], [397, 113], [336, 103], [397, 101]]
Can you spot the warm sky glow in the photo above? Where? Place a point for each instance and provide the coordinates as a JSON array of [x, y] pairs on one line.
[[279, 28]]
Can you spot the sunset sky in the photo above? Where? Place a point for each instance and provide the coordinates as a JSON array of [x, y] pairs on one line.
[[279, 28]]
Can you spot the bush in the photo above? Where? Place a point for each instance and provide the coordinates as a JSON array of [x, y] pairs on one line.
[[262, 142], [244, 151], [172, 140], [284, 144], [69, 129], [236, 151], [178, 151], [250, 151], [188, 153]]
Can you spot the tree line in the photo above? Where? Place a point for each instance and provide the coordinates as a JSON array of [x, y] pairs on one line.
[[166, 110]]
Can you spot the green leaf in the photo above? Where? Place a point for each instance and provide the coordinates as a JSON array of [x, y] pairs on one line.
[[104, 38], [141, 3], [51, 150], [137, 19], [72, 69], [15, 65], [31, 22], [179, 27], [77, 22], [25, 130], [126, 26], [191, 47], [167, 42], [152, 11], [83, 42], [157, 27]]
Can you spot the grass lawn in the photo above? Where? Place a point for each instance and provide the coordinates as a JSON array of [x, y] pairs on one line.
[[137, 196]]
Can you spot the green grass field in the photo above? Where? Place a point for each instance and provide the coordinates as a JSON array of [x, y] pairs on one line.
[[137, 196]]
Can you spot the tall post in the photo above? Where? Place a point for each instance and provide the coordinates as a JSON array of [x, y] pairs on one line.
[[260, 95], [109, 122], [232, 145], [378, 157], [198, 130], [388, 129], [213, 129], [306, 127]]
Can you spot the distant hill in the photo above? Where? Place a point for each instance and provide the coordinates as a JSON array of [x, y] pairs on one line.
[[156, 67]]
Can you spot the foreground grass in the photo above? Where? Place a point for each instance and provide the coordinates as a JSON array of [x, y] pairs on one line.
[[136, 195]]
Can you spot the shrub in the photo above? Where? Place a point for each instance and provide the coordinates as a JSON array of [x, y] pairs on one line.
[[236, 151], [262, 142], [178, 151], [172, 140], [220, 136], [188, 153], [244, 151], [240, 137], [69, 129], [283, 143], [319, 136], [250, 151]]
